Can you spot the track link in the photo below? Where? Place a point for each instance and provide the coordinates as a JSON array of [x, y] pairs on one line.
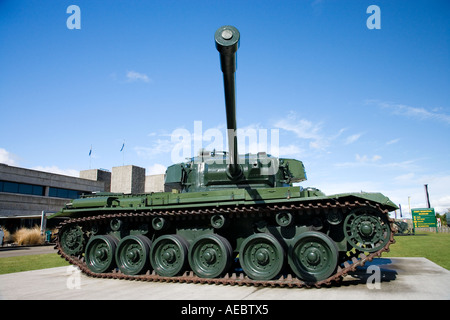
[[353, 260]]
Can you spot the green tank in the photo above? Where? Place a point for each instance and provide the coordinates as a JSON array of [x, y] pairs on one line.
[[227, 219]]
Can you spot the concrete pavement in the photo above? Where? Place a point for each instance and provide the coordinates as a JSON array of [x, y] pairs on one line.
[[386, 278]]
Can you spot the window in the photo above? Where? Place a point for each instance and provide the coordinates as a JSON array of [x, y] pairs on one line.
[[22, 188], [64, 193], [10, 187], [35, 190], [38, 191], [25, 188]]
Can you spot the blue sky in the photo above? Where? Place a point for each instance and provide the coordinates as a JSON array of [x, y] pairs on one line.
[[364, 109]]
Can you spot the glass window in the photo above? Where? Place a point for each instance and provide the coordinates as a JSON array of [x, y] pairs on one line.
[[53, 192], [64, 193], [10, 187], [38, 190], [22, 188], [73, 194], [25, 188]]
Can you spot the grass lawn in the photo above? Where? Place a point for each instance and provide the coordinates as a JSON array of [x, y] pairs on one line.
[[31, 262], [434, 247]]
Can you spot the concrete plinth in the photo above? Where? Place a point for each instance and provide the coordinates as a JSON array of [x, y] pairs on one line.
[[400, 279]]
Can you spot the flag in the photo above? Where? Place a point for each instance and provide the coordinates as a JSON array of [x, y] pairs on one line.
[[123, 145], [90, 151]]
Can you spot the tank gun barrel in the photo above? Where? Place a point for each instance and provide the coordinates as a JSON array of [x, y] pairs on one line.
[[227, 43]]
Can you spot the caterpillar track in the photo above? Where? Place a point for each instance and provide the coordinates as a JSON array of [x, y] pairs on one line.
[[348, 260]]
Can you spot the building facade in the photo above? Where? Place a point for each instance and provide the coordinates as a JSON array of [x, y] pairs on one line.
[[26, 194]]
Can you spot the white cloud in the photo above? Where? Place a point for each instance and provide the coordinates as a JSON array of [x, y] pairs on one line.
[[406, 189], [290, 150], [405, 178], [374, 162], [149, 152], [412, 112], [307, 130], [412, 186], [11, 159], [55, 169], [312, 131], [393, 141], [353, 138], [133, 76], [158, 146], [302, 128], [330, 188], [156, 169], [441, 204], [365, 158], [7, 157]]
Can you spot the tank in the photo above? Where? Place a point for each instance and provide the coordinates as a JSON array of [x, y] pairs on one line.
[[227, 218], [402, 228]]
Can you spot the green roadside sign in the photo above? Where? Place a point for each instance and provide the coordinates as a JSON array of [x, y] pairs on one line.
[[424, 218]]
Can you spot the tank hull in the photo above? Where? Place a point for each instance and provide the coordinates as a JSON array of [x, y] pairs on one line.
[[91, 205], [251, 236]]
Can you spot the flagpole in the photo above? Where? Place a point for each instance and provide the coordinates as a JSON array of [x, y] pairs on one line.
[[90, 157], [123, 152], [409, 205]]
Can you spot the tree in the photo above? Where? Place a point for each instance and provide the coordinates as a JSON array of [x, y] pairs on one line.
[[445, 217]]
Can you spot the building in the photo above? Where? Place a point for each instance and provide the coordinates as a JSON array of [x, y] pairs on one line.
[[26, 195], [98, 175], [154, 183], [128, 179], [132, 179]]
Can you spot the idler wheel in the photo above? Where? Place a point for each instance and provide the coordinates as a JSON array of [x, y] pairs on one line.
[[366, 229]]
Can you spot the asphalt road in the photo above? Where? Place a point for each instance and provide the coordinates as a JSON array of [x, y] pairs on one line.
[[393, 279], [25, 250]]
